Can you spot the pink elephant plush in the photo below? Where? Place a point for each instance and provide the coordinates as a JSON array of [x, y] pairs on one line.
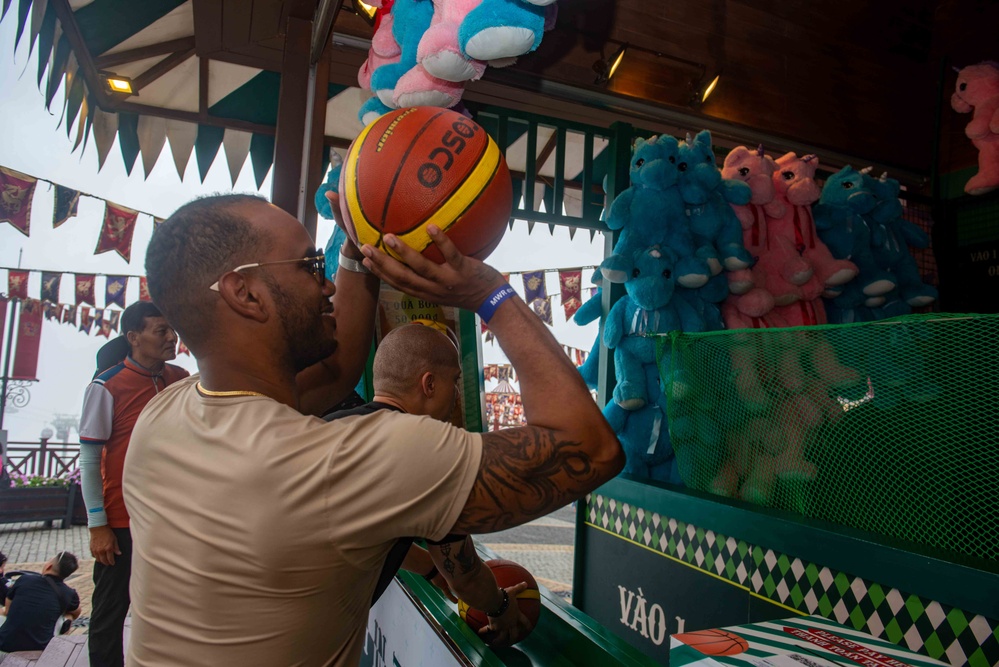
[[977, 90], [748, 285], [791, 228], [384, 49], [439, 52]]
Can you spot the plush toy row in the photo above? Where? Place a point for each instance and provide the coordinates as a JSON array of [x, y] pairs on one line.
[[423, 51], [704, 248]]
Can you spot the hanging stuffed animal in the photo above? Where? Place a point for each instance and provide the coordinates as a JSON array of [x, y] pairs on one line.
[[707, 196], [977, 91], [384, 50], [647, 308], [439, 52], [498, 31], [891, 237], [650, 213]]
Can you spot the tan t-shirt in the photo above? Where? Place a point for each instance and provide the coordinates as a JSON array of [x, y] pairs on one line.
[[259, 533]]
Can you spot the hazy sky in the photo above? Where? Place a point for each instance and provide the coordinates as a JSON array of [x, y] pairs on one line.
[[31, 142]]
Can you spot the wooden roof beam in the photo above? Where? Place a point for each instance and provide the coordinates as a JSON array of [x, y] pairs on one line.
[[143, 52], [161, 68]]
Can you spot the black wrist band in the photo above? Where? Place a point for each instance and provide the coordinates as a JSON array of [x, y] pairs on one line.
[[503, 606], [429, 576]]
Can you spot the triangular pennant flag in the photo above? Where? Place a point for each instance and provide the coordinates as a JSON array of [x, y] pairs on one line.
[[38, 8], [571, 283], [115, 318], [15, 204], [52, 311], [17, 284], [152, 135], [114, 293], [105, 130], [67, 203], [46, 38], [128, 139], [543, 307], [116, 233], [85, 289], [22, 19], [82, 122], [534, 286], [74, 99], [6, 6], [69, 314], [182, 349], [206, 147], [50, 286], [144, 290], [58, 67], [85, 322], [181, 136], [261, 156], [237, 145]]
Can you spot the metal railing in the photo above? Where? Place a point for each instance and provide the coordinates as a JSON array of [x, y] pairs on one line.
[[51, 459]]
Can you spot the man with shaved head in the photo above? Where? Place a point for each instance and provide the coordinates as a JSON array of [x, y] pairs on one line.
[[417, 370], [242, 502]]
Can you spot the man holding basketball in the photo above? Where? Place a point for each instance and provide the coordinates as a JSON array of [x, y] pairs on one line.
[[241, 503]]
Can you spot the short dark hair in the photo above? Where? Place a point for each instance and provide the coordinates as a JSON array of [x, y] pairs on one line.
[[3, 558], [190, 250], [134, 317], [66, 564]]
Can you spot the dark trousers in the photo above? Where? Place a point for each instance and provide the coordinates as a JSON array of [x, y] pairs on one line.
[[111, 600]]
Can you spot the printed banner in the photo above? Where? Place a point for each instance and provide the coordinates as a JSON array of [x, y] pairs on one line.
[[115, 291], [571, 283], [144, 290], [15, 198], [67, 202], [29, 338], [17, 284], [85, 321], [543, 307], [85, 289], [534, 286], [51, 281], [116, 233]]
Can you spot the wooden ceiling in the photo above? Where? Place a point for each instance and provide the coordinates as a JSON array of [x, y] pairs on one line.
[[853, 77]]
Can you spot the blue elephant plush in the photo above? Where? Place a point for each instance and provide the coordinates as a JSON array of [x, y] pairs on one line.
[[645, 435], [650, 212], [647, 308], [891, 237], [706, 196]]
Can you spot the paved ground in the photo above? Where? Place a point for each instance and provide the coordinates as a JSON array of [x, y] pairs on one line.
[[544, 546]]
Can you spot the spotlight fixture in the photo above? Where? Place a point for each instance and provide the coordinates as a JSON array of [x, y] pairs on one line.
[[365, 11], [700, 91], [606, 67], [121, 85]]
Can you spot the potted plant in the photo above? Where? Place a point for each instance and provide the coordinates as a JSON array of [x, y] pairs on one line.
[[41, 498]]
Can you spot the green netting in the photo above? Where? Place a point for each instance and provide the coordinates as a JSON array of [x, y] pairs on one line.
[[890, 426]]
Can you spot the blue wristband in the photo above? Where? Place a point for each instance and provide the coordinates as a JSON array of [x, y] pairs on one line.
[[489, 306]]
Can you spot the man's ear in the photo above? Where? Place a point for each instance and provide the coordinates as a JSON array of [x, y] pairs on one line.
[[244, 297], [130, 336], [427, 384]]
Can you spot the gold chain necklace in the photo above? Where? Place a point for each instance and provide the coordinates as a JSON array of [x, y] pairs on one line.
[[222, 394]]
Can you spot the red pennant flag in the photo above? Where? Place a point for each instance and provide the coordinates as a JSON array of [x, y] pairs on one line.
[[51, 311], [116, 234], [104, 323], [571, 283], [85, 322], [17, 284], [16, 190], [29, 338], [85, 289], [182, 349], [144, 290]]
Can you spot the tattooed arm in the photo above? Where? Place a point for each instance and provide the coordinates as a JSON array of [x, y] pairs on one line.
[[567, 449], [473, 582]]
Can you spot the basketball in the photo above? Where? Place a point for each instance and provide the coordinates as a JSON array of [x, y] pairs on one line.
[[507, 574], [714, 642], [422, 165]]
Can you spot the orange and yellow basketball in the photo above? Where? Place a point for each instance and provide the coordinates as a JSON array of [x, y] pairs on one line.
[[507, 574], [412, 167], [714, 642]]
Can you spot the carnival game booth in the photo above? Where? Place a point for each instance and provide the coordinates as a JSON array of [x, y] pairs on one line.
[[786, 467]]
